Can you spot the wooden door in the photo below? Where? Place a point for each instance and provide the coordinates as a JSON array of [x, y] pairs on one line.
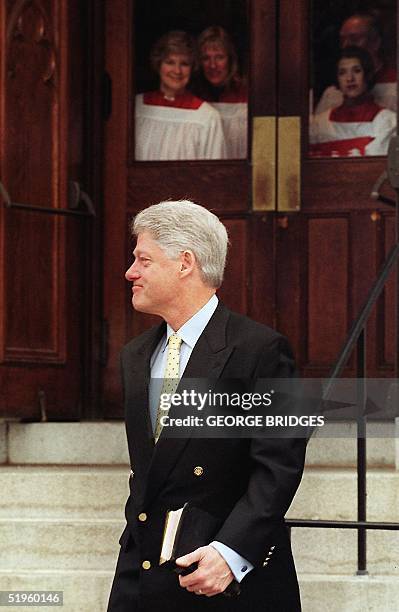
[[229, 188], [42, 293], [331, 237], [307, 239]]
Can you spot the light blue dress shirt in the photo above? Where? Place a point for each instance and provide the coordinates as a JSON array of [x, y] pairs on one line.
[[190, 333]]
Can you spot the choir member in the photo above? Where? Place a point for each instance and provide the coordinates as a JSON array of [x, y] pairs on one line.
[[172, 123], [219, 82], [358, 126]]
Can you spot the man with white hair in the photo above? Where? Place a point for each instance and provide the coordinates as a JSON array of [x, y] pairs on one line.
[[245, 484], [361, 30]]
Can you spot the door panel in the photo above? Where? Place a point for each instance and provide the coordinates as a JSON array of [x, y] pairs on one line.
[[386, 307], [307, 240], [328, 287], [223, 186], [41, 150]]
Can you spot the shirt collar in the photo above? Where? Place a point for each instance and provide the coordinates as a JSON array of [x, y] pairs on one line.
[[193, 328]]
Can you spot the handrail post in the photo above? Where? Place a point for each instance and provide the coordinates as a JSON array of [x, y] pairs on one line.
[[361, 453]]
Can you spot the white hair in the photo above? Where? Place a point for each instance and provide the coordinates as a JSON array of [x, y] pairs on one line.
[[182, 225]]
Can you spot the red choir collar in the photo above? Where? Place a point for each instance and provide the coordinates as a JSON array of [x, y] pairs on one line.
[[184, 100], [362, 109]]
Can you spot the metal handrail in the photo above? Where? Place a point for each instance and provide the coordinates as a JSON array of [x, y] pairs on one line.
[[76, 196], [357, 338], [375, 191], [360, 322], [324, 524]]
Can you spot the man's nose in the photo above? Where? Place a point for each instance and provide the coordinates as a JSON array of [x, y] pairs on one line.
[[131, 273]]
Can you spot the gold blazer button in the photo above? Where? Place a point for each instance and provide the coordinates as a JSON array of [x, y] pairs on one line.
[[198, 471], [142, 517], [146, 565]]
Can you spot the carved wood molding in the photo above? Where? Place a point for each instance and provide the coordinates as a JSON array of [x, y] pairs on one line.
[[29, 35]]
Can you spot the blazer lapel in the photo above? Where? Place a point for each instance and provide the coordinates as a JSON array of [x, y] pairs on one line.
[[138, 421], [207, 360]]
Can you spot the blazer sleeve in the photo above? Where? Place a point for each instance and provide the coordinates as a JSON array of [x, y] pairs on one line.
[[277, 467]]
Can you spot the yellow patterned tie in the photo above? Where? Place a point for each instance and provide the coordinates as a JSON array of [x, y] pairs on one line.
[[170, 379]]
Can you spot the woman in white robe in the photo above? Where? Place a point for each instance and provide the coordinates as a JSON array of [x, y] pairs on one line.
[[220, 84], [358, 126], [172, 123]]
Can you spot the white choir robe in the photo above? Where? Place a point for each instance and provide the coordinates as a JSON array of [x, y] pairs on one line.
[[168, 132], [234, 117], [384, 92], [349, 131]]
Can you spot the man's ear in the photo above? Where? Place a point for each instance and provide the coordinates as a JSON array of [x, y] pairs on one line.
[[187, 261]]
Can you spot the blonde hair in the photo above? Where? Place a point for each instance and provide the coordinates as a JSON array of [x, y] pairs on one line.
[[216, 35]]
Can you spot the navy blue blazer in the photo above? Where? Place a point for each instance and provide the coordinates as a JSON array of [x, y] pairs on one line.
[[247, 484]]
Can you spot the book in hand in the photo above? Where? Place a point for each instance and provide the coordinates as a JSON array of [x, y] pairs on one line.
[[187, 529]]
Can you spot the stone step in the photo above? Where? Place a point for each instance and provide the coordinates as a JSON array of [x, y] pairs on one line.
[[320, 593], [336, 446], [83, 443], [81, 492], [334, 551], [40, 492], [342, 451], [104, 443], [61, 544], [83, 591], [331, 494], [93, 545]]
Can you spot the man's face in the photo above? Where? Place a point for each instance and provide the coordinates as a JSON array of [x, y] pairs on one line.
[[355, 31], [154, 277]]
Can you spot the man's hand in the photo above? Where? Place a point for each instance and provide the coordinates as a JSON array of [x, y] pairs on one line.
[[212, 576]]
